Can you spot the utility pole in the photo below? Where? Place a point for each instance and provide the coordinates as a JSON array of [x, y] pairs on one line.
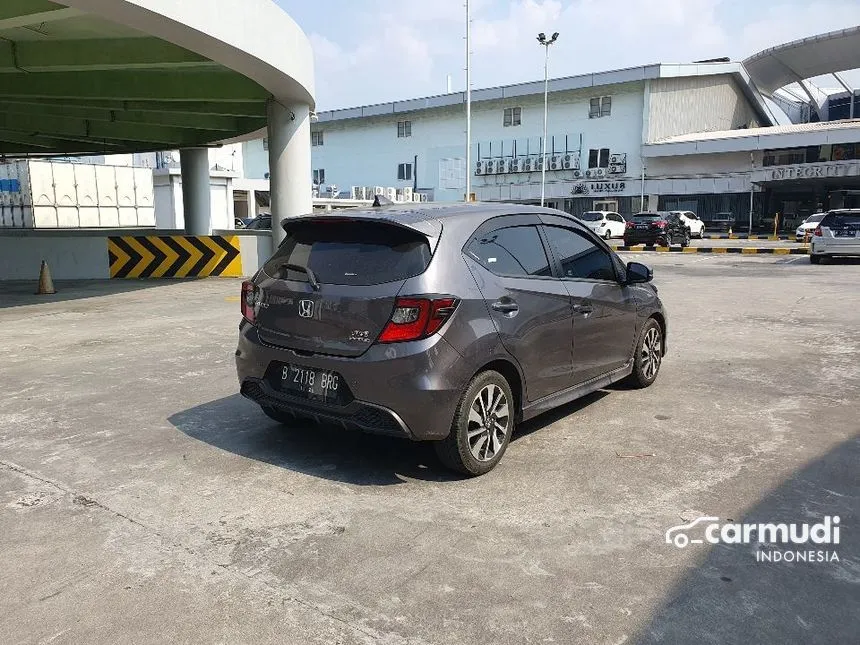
[[468, 103], [546, 43]]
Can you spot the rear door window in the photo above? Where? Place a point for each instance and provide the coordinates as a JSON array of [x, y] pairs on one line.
[[842, 220], [513, 251], [351, 252], [579, 257]]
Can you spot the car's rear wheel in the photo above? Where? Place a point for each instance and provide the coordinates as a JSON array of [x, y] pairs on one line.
[[815, 259], [482, 426], [649, 355], [686, 241], [607, 235]]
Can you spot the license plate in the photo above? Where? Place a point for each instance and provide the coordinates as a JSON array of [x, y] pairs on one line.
[[846, 233], [641, 226], [310, 383]]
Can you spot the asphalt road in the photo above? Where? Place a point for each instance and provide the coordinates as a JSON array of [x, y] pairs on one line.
[[142, 500]]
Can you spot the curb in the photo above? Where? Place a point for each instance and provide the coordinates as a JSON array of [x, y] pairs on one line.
[[739, 250]]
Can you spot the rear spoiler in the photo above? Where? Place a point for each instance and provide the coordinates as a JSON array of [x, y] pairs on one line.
[[429, 228]]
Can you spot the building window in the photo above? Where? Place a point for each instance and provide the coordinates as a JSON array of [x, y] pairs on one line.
[[404, 171], [512, 116], [599, 106], [598, 158], [319, 176], [265, 144], [316, 138], [404, 129]]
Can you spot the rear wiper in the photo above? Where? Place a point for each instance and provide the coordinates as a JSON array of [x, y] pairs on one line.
[[311, 276]]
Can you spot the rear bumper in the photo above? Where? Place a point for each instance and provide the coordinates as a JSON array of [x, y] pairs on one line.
[[823, 246], [404, 389], [644, 238]]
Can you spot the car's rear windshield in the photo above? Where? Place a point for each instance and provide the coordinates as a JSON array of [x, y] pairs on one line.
[[814, 218], [647, 217], [592, 216], [841, 220], [351, 252]]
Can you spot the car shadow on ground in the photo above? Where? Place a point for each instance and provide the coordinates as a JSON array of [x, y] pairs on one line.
[[732, 598], [17, 293], [236, 425]]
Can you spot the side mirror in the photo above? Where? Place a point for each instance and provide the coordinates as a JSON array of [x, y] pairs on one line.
[[638, 273]]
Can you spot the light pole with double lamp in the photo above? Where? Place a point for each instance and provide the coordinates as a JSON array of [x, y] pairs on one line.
[[542, 39]]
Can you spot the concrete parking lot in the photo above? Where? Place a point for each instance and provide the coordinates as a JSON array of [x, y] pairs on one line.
[[142, 500]]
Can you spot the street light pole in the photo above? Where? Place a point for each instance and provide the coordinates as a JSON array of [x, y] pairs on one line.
[[546, 43], [468, 103]]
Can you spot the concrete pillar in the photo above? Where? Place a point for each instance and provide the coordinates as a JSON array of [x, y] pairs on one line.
[[196, 200], [289, 163], [252, 203]]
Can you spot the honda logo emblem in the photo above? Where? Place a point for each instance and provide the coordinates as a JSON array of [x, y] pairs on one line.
[[306, 308]]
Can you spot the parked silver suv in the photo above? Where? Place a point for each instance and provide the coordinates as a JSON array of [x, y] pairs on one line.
[[443, 323]]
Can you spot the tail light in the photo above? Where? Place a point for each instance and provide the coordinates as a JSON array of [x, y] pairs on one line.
[[660, 223], [818, 232], [630, 225], [416, 318], [249, 301]]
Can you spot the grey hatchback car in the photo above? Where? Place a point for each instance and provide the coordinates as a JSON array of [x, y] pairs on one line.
[[446, 323]]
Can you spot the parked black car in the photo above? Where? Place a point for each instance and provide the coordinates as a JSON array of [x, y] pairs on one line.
[[661, 228]]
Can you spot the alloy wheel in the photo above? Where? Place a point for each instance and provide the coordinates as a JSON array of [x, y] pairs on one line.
[[652, 353], [489, 422]]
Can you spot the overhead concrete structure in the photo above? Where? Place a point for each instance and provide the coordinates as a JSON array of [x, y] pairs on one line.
[[799, 60], [117, 76]]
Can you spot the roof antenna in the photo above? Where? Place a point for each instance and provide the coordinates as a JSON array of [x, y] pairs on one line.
[[379, 200]]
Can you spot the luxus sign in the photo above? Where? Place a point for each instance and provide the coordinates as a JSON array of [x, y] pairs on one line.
[[811, 171], [598, 187]]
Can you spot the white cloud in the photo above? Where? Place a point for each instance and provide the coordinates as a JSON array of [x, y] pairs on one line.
[[403, 50]]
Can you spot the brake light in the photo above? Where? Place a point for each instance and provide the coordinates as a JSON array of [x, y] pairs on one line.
[[630, 225], [249, 301], [818, 232], [416, 318], [660, 223]]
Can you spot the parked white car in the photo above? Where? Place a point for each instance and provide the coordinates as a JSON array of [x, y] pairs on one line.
[[838, 233], [692, 222], [605, 223], [808, 226]]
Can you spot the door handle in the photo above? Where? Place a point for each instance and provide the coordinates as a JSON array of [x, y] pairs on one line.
[[505, 307], [583, 309]]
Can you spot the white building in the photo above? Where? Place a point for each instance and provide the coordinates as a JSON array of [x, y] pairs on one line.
[[686, 136], [598, 124]]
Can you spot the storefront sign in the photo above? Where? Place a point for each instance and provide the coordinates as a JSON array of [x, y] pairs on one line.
[[598, 187], [812, 171]]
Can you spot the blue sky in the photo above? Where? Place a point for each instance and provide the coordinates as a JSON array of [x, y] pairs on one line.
[[370, 51]]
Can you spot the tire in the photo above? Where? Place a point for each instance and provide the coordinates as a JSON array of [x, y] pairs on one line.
[[463, 453], [277, 415], [686, 241], [702, 233], [644, 370], [815, 259], [649, 244], [607, 235]]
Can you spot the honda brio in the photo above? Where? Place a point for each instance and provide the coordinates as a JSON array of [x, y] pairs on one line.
[[444, 323]]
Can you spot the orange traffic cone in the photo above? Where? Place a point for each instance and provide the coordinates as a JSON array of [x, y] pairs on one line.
[[46, 285]]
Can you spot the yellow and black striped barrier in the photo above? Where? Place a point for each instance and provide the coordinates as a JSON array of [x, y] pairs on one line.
[[174, 256], [726, 236], [739, 250]]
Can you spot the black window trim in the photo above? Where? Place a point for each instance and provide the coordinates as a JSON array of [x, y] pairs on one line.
[[559, 222], [513, 221]]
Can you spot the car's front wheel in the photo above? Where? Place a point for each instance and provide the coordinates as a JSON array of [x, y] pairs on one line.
[[482, 426], [649, 355]]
